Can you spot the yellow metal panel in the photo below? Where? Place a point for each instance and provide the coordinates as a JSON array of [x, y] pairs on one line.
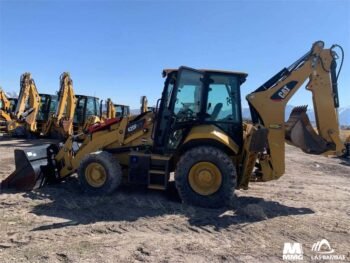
[[211, 132]]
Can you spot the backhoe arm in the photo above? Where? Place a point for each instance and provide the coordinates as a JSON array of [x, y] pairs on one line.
[[62, 121], [144, 104], [25, 84], [5, 103], [111, 113], [27, 106], [66, 103], [268, 102]]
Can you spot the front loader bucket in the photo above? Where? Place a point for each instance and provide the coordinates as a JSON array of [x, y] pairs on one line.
[[300, 133], [28, 174]]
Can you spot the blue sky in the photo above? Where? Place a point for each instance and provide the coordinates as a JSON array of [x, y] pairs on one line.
[[118, 49]]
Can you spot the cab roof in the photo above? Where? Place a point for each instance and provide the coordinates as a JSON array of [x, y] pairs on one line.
[[78, 95], [122, 105], [241, 74]]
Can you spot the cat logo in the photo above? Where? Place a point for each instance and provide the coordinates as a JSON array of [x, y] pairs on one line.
[[283, 92]]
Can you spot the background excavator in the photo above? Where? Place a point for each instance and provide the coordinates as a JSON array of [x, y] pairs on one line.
[[121, 110], [60, 123], [144, 105], [32, 109], [6, 108], [197, 132], [24, 117], [112, 110]]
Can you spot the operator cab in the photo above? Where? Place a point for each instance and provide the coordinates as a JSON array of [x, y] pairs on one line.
[[86, 106], [198, 97], [48, 105], [121, 110], [13, 104]]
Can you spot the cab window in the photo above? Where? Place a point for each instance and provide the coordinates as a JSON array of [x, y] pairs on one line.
[[91, 108], [188, 98], [79, 111], [223, 99]]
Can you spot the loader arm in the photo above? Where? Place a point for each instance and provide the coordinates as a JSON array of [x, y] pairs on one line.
[[268, 103]]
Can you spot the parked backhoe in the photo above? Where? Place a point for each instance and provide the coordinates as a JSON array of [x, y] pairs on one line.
[[197, 132], [59, 124], [24, 117], [144, 105], [5, 110], [113, 110]]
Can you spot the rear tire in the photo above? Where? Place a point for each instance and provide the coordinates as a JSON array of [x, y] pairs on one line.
[[217, 188], [99, 173]]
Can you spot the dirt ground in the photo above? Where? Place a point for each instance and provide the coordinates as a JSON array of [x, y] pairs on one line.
[[59, 224]]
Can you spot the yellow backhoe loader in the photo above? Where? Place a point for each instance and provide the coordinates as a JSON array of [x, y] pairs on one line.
[[113, 110], [60, 123], [144, 105], [197, 132], [24, 117], [5, 110]]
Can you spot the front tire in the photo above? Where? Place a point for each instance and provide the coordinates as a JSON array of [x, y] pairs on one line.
[[205, 176], [99, 173]]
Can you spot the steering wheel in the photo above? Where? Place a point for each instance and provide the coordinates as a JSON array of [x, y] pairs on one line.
[[185, 113]]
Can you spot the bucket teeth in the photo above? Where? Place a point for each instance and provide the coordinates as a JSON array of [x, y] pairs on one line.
[[299, 109]]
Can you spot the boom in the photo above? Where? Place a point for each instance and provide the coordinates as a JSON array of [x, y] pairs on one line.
[[111, 113], [268, 103], [61, 123], [27, 106], [5, 103]]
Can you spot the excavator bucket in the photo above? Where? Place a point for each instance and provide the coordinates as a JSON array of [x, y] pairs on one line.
[[30, 167], [300, 133]]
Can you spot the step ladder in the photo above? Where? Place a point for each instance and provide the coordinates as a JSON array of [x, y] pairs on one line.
[[158, 174]]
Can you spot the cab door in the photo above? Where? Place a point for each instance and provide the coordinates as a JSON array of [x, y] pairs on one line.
[[180, 105]]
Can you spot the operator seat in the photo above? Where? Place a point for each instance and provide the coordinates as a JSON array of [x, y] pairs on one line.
[[216, 111]]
